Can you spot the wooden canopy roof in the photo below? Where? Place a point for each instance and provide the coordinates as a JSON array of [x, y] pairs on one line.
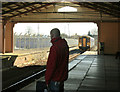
[[48, 11]]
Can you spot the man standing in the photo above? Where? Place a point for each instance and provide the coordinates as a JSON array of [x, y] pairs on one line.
[[57, 64]]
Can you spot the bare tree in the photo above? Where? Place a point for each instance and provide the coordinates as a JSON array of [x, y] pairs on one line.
[[94, 31]]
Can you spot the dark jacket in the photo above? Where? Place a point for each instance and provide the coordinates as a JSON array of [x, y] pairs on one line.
[[57, 64]]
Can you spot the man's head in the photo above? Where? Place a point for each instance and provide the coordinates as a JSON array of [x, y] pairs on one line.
[[55, 33]]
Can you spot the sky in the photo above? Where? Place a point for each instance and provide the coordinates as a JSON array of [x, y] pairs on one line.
[[45, 28]]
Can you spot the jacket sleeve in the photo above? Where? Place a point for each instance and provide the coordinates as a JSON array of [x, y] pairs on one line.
[[51, 64]]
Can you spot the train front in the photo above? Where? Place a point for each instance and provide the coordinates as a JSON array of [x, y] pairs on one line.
[[84, 43]]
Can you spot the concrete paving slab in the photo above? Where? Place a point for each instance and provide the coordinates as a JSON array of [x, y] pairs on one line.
[[81, 57], [72, 84], [77, 76], [94, 82], [73, 63], [113, 85]]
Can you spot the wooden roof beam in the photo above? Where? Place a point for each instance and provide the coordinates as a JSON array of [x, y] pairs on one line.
[[7, 4], [23, 6], [95, 7], [108, 7], [27, 11]]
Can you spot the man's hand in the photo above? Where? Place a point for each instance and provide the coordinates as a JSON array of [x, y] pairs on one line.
[[48, 89], [47, 85]]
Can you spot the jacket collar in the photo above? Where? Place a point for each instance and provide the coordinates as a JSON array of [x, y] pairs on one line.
[[55, 40]]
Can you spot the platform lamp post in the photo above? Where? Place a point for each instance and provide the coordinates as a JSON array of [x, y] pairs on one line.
[[20, 40], [38, 37], [25, 36], [68, 30]]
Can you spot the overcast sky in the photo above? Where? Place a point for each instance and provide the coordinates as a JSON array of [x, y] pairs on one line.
[[44, 28]]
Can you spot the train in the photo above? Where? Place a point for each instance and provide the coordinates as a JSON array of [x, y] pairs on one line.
[[85, 43]]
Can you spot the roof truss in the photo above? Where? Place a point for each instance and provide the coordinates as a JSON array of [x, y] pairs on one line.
[[18, 9]]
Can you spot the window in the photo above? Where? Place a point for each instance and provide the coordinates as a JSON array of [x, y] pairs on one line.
[[67, 9]]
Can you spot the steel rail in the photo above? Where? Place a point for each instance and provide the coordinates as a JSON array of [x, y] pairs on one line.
[[15, 87]]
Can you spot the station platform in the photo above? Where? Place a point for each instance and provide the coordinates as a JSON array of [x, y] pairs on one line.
[[89, 73]]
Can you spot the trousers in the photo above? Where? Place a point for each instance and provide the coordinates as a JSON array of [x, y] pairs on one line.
[[56, 86]]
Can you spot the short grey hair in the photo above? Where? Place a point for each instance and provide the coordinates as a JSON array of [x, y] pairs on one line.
[[55, 32]]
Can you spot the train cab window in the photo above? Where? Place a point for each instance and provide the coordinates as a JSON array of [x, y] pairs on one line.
[[88, 40]]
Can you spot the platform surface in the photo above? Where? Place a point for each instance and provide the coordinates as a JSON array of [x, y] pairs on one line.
[[90, 73]]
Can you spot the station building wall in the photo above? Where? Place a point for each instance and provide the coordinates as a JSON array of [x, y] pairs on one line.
[[109, 34], [1, 38], [119, 36], [6, 40], [9, 37]]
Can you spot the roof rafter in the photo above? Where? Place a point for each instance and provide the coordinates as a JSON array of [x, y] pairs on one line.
[[98, 8], [21, 7], [28, 11], [8, 4], [108, 9]]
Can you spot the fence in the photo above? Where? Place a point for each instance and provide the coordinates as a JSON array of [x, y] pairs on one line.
[[30, 42]]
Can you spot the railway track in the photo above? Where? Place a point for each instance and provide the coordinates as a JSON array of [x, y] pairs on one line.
[[31, 73], [23, 77]]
